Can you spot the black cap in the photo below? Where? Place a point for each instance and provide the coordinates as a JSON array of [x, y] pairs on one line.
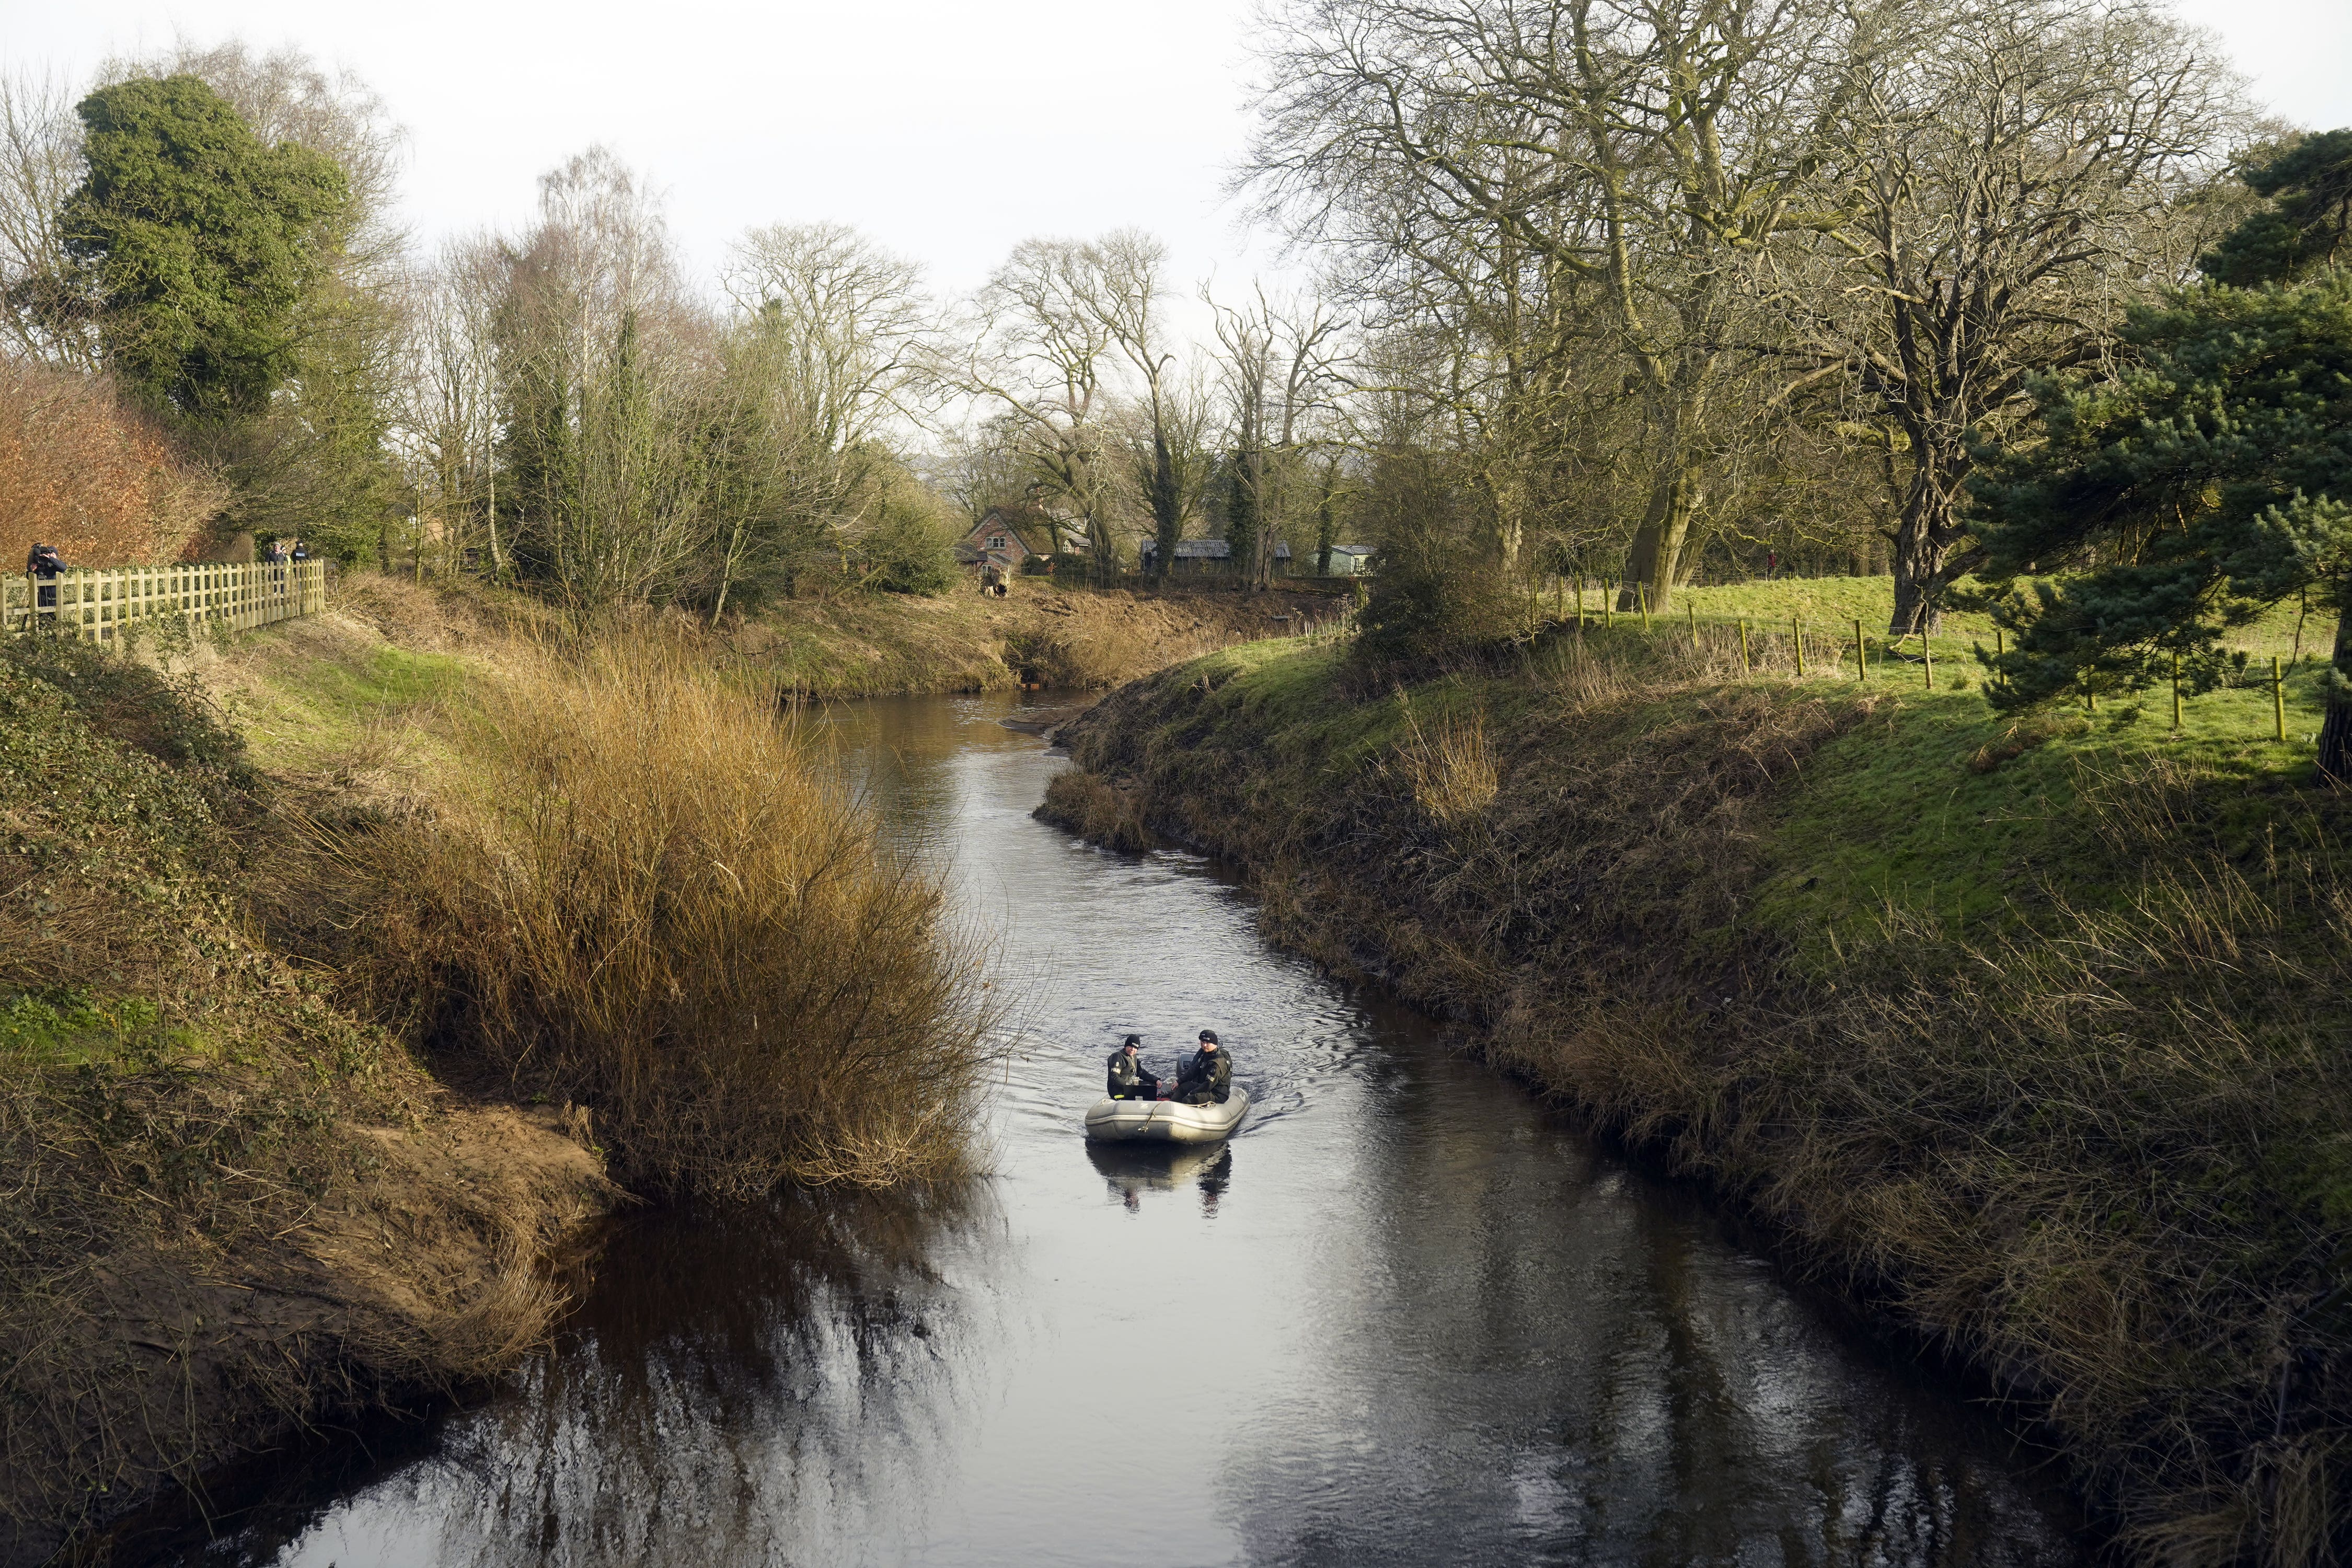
[[1131, 1040], [1209, 1036]]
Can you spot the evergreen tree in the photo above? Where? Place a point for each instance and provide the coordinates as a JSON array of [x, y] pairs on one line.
[[2209, 480], [2307, 227], [197, 244]]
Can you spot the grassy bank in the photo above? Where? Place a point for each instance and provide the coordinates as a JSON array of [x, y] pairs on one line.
[[234, 1207], [334, 976], [2029, 1031]]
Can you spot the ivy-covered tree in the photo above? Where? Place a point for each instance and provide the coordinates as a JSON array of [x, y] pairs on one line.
[[197, 244], [2209, 481]]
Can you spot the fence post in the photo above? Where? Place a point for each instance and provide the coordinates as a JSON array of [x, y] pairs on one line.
[[2278, 702], [1927, 654], [1690, 609], [1641, 599], [1746, 668], [1860, 653], [2175, 690], [1797, 635]]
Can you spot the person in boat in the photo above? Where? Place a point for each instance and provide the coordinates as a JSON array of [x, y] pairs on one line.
[[1208, 1077], [1125, 1078]]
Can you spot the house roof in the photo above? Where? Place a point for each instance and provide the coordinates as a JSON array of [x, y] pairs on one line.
[[1208, 549]]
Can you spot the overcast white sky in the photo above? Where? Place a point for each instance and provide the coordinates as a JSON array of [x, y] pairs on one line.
[[949, 129]]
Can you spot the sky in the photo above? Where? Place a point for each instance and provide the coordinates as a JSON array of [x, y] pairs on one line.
[[950, 129]]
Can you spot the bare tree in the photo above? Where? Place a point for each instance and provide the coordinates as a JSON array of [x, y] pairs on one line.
[[446, 420], [1049, 335], [834, 350], [40, 164], [1279, 364], [604, 362], [1520, 152], [2006, 187]]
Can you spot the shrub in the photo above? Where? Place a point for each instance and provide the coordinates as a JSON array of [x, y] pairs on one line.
[[99, 481], [646, 896], [1440, 593]]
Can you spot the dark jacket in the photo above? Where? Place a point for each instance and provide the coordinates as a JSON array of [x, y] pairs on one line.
[[1123, 1074], [43, 563], [1209, 1076]]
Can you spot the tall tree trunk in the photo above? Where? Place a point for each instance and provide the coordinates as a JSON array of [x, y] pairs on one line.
[[1167, 513], [2336, 729], [1658, 544], [1923, 539]]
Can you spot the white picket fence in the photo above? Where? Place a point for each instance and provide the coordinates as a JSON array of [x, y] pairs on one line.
[[98, 606]]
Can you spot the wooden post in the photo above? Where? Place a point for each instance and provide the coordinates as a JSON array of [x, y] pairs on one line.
[[1690, 610], [2176, 691], [1995, 642], [1641, 599], [1797, 635], [1746, 668], [1927, 654], [1608, 603], [2278, 702], [1860, 653]]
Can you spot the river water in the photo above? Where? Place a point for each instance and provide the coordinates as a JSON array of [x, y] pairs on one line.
[[1406, 1317]]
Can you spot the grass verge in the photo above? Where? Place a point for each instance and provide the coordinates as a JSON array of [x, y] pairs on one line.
[[2036, 1041]]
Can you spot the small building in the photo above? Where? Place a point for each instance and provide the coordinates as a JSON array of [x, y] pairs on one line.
[[1351, 560], [997, 540]]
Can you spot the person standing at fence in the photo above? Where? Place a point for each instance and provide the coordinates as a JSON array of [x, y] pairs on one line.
[[42, 565]]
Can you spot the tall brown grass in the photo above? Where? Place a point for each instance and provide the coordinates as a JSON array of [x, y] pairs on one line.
[[641, 893], [98, 480]]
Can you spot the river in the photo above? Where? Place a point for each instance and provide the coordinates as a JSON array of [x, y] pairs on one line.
[[1407, 1317]]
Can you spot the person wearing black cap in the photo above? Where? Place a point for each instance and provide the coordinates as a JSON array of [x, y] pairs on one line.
[[1208, 1077], [1125, 1079]]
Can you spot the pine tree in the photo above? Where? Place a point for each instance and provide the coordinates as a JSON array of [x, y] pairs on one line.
[[2209, 481]]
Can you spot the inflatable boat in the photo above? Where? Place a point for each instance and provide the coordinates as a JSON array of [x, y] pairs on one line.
[[1164, 1121]]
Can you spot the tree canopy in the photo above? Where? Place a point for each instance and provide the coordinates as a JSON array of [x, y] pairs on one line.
[[196, 244]]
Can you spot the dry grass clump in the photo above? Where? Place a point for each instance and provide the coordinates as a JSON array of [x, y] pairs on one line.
[[643, 895], [1096, 811], [82, 471], [1450, 768]]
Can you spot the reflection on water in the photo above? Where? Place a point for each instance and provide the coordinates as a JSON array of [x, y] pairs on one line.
[[1407, 1317]]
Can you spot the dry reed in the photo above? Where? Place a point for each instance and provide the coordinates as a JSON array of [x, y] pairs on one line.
[[643, 895]]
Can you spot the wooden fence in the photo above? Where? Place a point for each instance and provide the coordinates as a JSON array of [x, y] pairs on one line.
[[98, 606]]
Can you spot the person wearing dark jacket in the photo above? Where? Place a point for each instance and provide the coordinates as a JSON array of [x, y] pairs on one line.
[[1125, 1078], [41, 562], [1208, 1077]]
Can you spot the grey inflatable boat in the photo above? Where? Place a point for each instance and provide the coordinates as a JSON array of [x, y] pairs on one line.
[[1164, 1121]]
